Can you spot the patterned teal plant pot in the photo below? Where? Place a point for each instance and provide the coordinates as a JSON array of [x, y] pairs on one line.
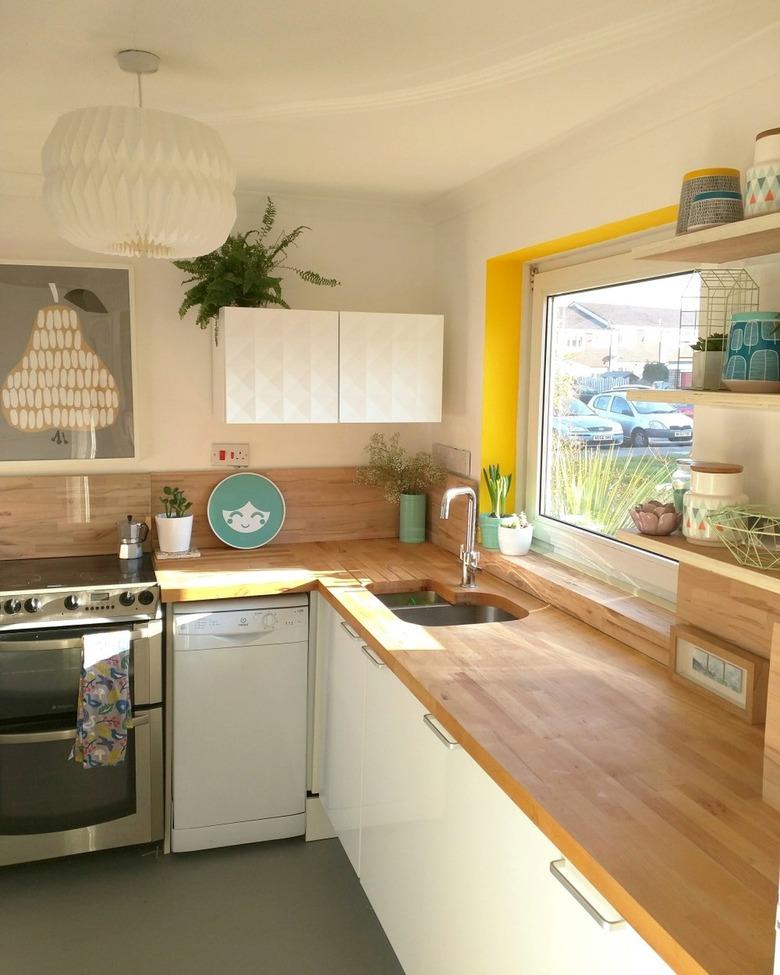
[[488, 530], [412, 524], [752, 363]]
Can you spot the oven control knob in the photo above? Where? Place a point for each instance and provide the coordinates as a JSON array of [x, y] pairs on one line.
[[72, 602], [12, 606], [33, 604], [127, 598], [146, 597]]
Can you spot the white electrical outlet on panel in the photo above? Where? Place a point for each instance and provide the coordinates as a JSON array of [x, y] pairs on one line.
[[230, 455]]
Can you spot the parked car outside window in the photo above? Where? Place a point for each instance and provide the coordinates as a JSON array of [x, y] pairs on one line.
[[577, 423], [643, 423]]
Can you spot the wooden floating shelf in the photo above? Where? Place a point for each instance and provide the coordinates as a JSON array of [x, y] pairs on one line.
[[706, 397], [711, 559], [729, 242]]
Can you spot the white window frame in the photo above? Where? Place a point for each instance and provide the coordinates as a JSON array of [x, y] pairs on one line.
[[630, 568]]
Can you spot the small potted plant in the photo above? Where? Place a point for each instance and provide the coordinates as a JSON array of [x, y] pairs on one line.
[[498, 485], [174, 525], [708, 361], [404, 478], [515, 535]]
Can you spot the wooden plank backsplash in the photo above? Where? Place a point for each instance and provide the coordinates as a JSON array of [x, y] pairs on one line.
[[58, 515], [323, 504]]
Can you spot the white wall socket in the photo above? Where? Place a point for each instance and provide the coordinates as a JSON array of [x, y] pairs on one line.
[[230, 455]]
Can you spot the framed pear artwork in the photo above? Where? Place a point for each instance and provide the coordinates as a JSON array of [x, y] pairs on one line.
[[66, 362]]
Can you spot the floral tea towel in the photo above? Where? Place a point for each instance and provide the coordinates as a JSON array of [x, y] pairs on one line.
[[104, 712]]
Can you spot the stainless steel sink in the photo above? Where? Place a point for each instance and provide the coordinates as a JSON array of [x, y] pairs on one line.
[[428, 608]]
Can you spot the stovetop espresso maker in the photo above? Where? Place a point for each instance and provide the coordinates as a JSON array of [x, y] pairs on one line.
[[132, 535]]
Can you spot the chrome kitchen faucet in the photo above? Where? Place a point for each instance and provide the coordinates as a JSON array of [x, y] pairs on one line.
[[469, 556]]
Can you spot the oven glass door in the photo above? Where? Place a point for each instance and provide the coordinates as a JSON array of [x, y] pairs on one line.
[[51, 806], [43, 791], [40, 670]]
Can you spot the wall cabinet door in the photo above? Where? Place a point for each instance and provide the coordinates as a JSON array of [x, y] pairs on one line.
[[276, 365], [341, 766], [390, 367]]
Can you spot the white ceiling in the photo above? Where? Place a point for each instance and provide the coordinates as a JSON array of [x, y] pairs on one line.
[[400, 98]]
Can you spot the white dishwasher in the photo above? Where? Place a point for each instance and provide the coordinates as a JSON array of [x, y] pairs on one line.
[[240, 676]]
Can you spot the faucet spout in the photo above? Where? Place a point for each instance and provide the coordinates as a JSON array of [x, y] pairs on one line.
[[469, 556]]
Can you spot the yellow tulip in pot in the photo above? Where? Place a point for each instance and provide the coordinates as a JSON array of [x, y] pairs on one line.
[[498, 485], [174, 525]]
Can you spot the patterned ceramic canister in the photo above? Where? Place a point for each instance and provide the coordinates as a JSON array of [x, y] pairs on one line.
[[704, 181], [713, 486], [767, 146], [713, 208], [752, 363], [762, 188]]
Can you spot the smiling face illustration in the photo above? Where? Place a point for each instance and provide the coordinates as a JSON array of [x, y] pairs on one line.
[[246, 519]]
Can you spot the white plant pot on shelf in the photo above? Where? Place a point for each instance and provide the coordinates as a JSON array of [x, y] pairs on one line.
[[174, 534], [515, 541], [706, 370]]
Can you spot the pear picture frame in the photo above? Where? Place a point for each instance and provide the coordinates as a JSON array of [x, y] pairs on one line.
[[67, 362]]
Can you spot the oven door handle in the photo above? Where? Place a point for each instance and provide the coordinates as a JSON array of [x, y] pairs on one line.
[[21, 646], [62, 734]]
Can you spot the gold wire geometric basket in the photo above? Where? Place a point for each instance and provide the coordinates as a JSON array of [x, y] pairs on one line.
[[750, 532]]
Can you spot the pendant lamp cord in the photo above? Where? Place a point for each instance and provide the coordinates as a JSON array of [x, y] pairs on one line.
[[140, 92]]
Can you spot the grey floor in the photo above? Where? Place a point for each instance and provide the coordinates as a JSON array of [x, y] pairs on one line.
[[284, 908]]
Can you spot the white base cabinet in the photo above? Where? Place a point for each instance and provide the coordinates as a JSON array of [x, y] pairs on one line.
[[459, 877], [341, 762]]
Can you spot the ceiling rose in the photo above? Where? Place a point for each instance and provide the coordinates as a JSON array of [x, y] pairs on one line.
[[138, 182]]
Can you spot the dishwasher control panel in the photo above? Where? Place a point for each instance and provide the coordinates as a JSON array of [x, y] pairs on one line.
[[284, 624]]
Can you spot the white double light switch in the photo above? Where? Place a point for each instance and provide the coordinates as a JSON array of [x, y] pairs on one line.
[[230, 455]]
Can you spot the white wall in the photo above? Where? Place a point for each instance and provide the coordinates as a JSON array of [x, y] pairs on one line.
[[629, 164], [383, 254]]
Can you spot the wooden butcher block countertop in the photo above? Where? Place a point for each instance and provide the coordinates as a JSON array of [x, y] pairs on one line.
[[653, 793]]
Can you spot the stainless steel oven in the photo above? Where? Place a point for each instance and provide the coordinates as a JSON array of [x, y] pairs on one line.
[[51, 806]]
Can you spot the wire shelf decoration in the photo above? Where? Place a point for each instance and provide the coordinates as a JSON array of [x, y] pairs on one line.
[[750, 532], [705, 314]]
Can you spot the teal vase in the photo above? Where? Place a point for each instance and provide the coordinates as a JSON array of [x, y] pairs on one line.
[[488, 529], [412, 526]]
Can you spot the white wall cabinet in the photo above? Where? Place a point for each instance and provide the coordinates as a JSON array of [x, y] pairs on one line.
[[276, 365], [458, 876], [279, 365], [390, 368]]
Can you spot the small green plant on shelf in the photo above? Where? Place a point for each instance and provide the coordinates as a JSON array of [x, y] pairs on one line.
[[174, 502], [498, 486], [710, 343], [243, 272], [397, 471]]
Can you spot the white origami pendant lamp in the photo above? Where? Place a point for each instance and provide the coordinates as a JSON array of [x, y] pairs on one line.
[[138, 182]]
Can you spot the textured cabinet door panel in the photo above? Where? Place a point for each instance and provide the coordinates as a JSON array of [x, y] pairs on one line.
[[276, 366], [390, 367]]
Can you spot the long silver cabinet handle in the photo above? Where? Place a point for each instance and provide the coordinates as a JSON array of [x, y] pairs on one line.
[[582, 900], [62, 734], [436, 728], [373, 657], [348, 629]]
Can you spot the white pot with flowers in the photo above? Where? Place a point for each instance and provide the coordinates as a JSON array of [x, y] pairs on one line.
[[174, 527], [515, 535]]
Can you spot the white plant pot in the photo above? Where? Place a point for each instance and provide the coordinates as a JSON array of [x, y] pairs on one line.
[[174, 534], [515, 541], [707, 368]]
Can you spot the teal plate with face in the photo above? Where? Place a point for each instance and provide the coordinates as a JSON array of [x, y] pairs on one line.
[[246, 510]]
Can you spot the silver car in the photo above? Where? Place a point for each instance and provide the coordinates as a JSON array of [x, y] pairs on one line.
[[577, 423], [642, 422]]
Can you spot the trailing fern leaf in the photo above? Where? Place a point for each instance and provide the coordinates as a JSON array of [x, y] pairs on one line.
[[242, 272]]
